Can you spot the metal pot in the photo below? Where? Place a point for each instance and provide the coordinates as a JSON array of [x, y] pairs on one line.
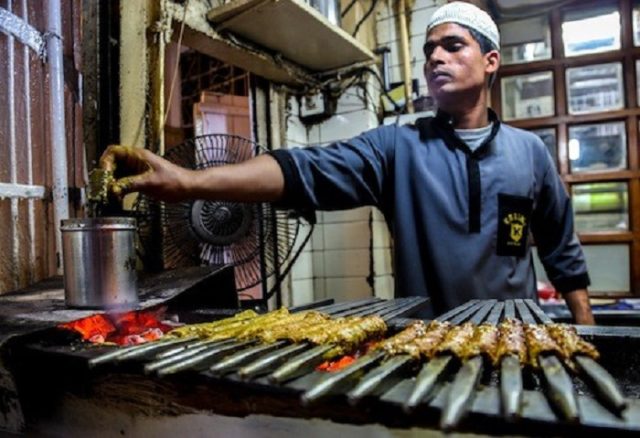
[[99, 263]]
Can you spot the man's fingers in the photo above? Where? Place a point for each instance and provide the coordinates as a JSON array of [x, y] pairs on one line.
[[111, 156], [126, 159], [129, 184]]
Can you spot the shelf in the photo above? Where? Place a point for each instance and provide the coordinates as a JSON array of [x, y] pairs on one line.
[[294, 30]]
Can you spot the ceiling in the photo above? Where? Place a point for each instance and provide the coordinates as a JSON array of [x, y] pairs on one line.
[[514, 8], [512, 4]]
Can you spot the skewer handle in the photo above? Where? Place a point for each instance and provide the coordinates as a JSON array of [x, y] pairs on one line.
[[560, 388], [269, 361], [332, 380], [231, 362], [300, 363], [198, 359], [425, 381], [603, 382], [133, 351], [511, 387], [460, 392], [374, 378]]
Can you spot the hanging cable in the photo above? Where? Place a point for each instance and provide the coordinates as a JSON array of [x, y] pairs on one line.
[[366, 15], [175, 70], [348, 8]]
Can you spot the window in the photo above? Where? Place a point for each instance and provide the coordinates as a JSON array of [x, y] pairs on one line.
[[601, 206], [597, 147], [525, 40], [595, 88], [583, 105], [591, 30], [606, 279], [527, 96]]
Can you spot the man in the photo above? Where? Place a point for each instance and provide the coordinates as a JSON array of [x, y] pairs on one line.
[[460, 191]]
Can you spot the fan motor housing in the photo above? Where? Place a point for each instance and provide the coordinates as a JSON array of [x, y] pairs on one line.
[[220, 223]]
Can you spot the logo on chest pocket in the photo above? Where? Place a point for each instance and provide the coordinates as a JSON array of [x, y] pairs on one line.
[[513, 226]]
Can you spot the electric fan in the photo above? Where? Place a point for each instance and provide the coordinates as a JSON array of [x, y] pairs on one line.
[[257, 239]]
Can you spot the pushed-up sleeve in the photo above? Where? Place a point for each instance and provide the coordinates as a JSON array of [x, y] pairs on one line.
[[343, 175], [558, 246]]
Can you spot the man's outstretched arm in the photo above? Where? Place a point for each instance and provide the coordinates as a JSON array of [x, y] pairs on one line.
[[257, 180]]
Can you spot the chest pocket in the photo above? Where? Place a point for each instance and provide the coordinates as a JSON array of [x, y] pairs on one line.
[[514, 216]]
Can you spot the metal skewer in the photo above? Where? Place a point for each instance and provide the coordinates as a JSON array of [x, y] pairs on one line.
[[200, 358], [460, 393], [375, 377], [189, 346], [560, 387], [482, 312], [598, 377], [494, 315], [300, 364], [267, 362], [311, 358], [134, 351], [510, 387], [603, 382], [231, 362], [425, 381], [334, 379], [183, 355]]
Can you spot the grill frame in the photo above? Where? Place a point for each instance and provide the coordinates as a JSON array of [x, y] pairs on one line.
[[386, 406]]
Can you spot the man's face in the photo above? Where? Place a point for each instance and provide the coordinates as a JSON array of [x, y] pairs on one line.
[[455, 64]]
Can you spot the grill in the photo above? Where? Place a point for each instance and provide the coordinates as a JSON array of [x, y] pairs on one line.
[[241, 377]]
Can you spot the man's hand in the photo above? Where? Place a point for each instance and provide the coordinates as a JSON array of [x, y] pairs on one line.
[[578, 302], [139, 170]]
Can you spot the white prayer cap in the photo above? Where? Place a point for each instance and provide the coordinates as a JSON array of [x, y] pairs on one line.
[[467, 15]]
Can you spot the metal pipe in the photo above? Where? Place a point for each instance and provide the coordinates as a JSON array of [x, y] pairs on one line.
[[57, 124], [13, 165], [406, 56], [8, 190], [19, 28], [27, 101]]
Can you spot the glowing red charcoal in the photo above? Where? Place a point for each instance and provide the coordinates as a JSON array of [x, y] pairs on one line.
[[123, 328]]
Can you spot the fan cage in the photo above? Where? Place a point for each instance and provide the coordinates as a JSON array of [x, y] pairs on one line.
[[174, 235]]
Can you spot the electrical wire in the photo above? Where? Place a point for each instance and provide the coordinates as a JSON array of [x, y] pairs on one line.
[[348, 8], [175, 70], [365, 16]]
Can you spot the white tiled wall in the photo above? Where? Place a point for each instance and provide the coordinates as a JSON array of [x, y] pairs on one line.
[[388, 35], [345, 245]]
